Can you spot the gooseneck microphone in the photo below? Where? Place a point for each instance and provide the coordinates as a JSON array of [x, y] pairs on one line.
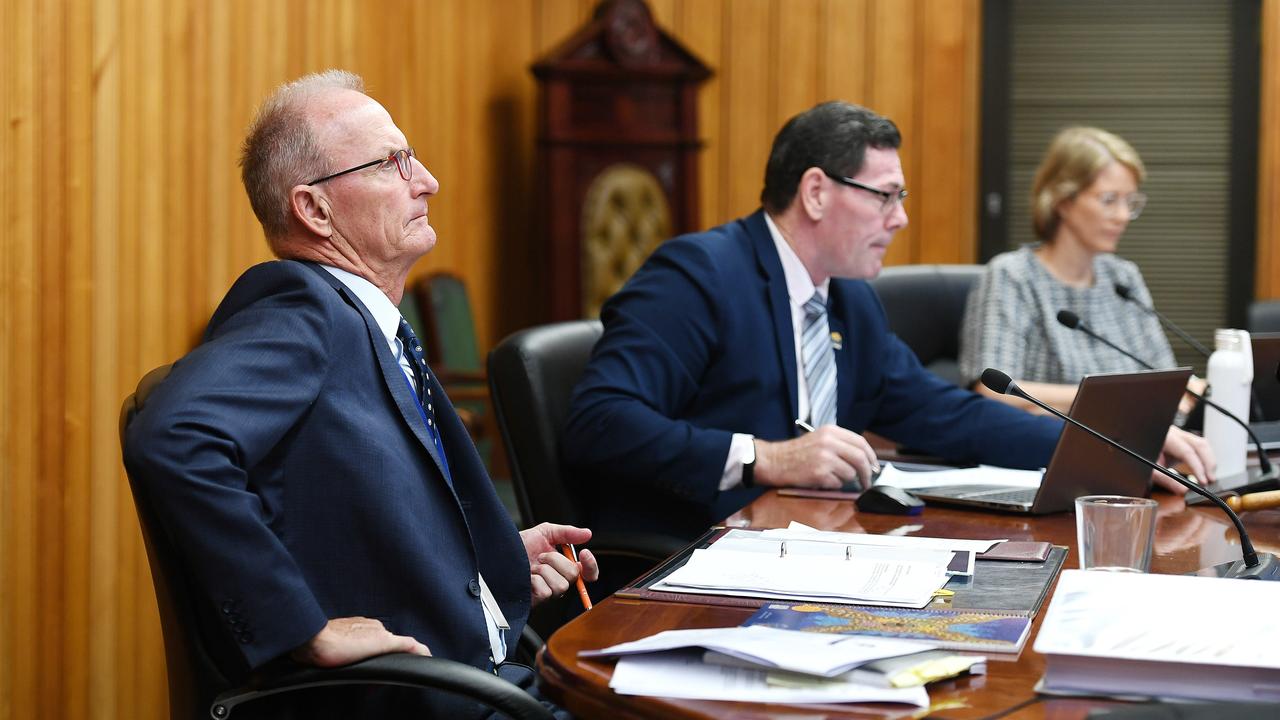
[[1071, 320], [1251, 566], [1125, 293]]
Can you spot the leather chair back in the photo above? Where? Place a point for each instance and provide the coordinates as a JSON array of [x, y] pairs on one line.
[[925, 305], [1264, 316], [531, 378], [450, 328]]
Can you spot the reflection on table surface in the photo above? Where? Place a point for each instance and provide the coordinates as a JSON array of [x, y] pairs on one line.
[[1186, 539]]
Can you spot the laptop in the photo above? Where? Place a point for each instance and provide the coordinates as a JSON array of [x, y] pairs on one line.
[[1134, 409]]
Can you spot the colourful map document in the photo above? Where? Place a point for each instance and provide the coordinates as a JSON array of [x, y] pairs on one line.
[[949, 629]]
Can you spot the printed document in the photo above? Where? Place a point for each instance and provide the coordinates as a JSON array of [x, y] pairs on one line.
[[793, 650], [818, 578], [981, 475], [682, 674]]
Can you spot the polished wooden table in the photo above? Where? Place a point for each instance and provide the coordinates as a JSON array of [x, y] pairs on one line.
[[1187, 538]]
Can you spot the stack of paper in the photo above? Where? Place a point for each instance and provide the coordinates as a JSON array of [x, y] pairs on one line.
[[1130, 634], [801, 563], [670, 664], [981, 475]]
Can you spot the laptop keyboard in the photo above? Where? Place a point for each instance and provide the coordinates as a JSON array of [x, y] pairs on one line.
[[983, 492]]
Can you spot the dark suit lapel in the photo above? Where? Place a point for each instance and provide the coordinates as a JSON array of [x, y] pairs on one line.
[[396, 383], [844, 355], [779, 302]]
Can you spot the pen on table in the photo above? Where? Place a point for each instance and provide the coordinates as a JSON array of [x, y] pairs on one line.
[[572, 553], [875, 463]]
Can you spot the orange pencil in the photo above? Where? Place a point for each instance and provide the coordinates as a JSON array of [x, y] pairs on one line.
[[572, 553]]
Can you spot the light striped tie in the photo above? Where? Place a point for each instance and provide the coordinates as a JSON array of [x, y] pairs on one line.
[[819, 363]]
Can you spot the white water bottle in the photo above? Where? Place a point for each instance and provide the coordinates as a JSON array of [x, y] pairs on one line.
[[1230, 375]]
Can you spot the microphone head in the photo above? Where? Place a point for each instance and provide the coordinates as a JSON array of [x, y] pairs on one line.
[[996, 381], [1123, 291], [1068, 318]]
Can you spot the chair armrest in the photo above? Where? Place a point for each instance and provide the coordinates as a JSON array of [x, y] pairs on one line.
[[393, 669]]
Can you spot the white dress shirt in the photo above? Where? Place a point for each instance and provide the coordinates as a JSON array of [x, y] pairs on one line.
[[800, 288]]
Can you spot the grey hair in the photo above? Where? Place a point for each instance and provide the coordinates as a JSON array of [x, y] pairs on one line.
[[280, 149]]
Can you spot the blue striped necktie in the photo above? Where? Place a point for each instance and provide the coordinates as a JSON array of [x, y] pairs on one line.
[[422, 376], [819, 363]]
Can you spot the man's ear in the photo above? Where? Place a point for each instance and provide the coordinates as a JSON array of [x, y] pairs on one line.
[[813, 193], [311, 209]]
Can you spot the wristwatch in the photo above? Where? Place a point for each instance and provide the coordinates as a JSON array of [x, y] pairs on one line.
[[749, 465]]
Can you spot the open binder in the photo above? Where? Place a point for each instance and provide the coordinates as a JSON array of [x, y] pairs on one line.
[[1017, 588]]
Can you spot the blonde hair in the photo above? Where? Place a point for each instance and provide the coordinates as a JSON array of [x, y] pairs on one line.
[[1073, 161], [280, 149]]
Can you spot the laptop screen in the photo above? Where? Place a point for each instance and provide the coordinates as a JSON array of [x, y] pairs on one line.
[[1133, 409]]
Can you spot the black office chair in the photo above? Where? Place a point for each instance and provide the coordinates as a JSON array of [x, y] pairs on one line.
[[531, 378], [193, 648], [925, 305], [1264, 316]]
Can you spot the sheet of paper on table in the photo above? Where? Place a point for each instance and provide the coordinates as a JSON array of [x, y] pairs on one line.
[[1128, 634], [793, 650], [682, 674], [981, 475], [904, 543], [817, 578]]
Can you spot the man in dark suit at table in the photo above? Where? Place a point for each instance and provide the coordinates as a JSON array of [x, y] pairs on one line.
[[304, 459], [726, 344]]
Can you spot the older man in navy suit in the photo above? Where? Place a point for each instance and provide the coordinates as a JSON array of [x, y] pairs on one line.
[[305, 460], [726, 345]]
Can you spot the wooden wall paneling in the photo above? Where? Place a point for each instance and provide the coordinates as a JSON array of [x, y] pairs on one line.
[[136, 234], [664, 13], [472, 221], [893, 92], [503, 187], [945, 216], [746, 116], [107, 339], [1267, 277], [796, 69], [845, 51], [77, 375], [699, 25], [8, 482], [221, 145], [555, 21], [196, 205], [21, 520], [49, 319]]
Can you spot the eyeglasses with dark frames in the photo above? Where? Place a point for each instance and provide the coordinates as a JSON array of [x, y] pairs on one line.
[[399, 158], [887, 198]]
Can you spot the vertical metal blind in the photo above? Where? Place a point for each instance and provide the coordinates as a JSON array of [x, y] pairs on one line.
[[1157, 73]]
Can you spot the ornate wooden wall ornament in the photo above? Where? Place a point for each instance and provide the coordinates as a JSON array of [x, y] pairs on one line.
[[617, 101]]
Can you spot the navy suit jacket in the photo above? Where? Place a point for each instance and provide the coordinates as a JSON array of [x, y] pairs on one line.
[[292, 469], [699, 345]]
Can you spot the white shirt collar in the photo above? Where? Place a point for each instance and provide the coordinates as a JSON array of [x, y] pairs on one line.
[[384, 313], [800, 286]]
